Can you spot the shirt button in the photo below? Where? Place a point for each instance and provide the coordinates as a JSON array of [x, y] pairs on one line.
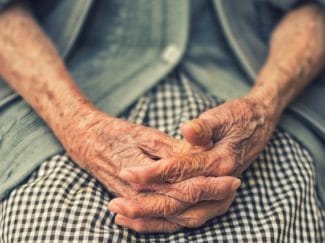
[[171, 54]]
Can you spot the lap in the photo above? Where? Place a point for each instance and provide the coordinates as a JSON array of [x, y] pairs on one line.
[[276, 202]]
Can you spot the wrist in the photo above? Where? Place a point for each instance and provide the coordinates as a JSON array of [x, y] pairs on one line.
[[271, 89], [73, 127], [268, 99], [73, 111]]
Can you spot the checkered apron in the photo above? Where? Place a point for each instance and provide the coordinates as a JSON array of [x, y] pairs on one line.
[[60, 202]]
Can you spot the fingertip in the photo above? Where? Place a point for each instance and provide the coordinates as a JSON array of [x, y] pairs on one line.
[[235, 184], [124, 207], [121, 220], [114, 205], [187, 132], [196, 133], [191, 127]]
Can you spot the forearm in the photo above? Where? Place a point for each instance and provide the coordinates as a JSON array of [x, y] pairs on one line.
[[31, 65], [296, 56]]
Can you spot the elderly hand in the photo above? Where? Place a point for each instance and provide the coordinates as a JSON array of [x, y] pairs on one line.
[[193, 217], [105, 145], [236, 132], [170, 208], [232, 135]]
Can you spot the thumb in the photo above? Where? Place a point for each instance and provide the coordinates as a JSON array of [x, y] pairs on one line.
[[198, 132]]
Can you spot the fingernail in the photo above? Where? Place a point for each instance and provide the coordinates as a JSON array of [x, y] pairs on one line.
[[114, 207], [119, 220], [235, 185], [127, 175], [196, 126]]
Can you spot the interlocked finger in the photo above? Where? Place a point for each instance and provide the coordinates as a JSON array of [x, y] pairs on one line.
[[148, 225], [173, 199], [215, 162], [202, 212], [193, 217]]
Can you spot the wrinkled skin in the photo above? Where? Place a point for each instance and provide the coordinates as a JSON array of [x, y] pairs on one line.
[[227, 138], [104, 146], [232, 135], [235, 133]]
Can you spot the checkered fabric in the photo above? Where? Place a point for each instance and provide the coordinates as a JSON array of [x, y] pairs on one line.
[[276, 201]]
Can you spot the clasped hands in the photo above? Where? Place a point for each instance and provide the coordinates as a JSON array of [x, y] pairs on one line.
[[163, 184]]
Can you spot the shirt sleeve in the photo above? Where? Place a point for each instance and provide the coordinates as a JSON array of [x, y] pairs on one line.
[[287, 5]]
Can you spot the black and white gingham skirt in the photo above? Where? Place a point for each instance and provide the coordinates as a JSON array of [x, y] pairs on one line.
[[276, 201]]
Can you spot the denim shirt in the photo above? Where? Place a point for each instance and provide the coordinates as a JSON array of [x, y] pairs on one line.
[[161, 41]]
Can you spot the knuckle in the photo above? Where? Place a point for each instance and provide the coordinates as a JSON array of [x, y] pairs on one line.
[[173, 171]]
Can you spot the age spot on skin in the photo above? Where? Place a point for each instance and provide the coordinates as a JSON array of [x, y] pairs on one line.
[[49, 94]]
